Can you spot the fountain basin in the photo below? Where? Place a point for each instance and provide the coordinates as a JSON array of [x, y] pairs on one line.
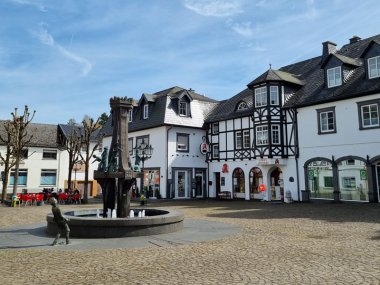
[[85, 224]]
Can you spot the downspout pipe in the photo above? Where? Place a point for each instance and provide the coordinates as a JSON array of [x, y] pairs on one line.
[[167, 162]]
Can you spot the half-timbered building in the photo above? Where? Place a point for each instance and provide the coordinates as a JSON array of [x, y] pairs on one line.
[[309, 130]]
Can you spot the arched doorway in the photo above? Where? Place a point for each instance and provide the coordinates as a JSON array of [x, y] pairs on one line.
[[276, 185], [255, 179], [238, 183]]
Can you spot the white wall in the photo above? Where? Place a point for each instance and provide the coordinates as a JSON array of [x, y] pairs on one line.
[[348, 140]]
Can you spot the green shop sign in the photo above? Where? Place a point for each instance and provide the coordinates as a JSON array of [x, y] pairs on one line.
[[363, 174]]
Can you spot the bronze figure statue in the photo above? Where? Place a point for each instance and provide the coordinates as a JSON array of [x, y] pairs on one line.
[[63, 227]]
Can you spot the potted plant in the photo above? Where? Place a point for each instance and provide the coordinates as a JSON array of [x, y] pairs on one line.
[[142, 200]]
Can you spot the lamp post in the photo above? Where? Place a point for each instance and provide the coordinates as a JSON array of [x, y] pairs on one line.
[[144, 152], [77, 166]]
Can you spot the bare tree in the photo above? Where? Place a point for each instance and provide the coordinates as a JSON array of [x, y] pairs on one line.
[[72, 144], [19, 139], [7, 159], [89, 127]]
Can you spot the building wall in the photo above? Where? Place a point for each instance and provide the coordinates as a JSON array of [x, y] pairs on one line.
[[349, 140]]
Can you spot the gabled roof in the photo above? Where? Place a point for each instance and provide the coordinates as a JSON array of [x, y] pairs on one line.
[[227, 109], [44, 135], [376, 42], [147, 97], [68, 130], [180, 94], [276, 75], [344, 59], [310, 78], [163, 111], [315, 90]]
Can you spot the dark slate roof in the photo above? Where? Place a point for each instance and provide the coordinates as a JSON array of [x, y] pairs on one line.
[[276, 75], [345, 59], [227, 109], [315, 90], [69, 129], [44, 135], [163, 110], [309, 76]]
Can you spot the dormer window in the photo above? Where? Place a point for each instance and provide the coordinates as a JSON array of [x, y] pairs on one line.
[[130, 116], [374, 67], [274, 95], [242, 106], [261, 97], [183, 109], [146, 111], [334, 77]]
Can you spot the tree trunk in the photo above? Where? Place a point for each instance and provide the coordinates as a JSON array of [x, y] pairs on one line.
[[5, 185], [85, 192], [15, 180]]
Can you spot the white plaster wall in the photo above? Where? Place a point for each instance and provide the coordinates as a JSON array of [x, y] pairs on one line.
[[348, 140]]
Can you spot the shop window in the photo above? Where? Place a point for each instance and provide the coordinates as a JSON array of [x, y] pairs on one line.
[[238, 181], [353, 181], [319, 173], [255, 180]]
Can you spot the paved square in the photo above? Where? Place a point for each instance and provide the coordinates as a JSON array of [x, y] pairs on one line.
[[277, 244]]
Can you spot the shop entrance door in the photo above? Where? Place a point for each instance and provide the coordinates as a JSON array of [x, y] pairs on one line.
[[181, 184], [276, 185], [199, 185]]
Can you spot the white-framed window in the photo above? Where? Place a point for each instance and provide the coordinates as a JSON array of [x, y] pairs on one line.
[[334, 77], [215, 151], [49, 154], [22, 177], [275, 134], [48, 177], [183, 107], [370, 115], [130, 146], [130, 115], [146, 111], [261, 96], [215, 128], [326, 120], [374, 67], [274, 98], [262, 135], [142, 139], [242, 106], [182, 142], [246, 139], [238, 140]]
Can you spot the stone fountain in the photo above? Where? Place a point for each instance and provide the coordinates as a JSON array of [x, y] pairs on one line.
[[116, 177]]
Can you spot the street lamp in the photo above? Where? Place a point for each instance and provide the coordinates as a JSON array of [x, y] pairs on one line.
[[77, 166], [143, 152]]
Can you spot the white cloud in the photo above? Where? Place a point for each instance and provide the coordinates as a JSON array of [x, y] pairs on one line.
[[34, 3], [47, 39], [244, 29], [215, 8]]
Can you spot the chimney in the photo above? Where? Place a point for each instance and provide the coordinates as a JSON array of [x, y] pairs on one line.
[[355, 39], [328, 47]]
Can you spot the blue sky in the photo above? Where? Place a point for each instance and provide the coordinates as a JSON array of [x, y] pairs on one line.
[[66, 58]]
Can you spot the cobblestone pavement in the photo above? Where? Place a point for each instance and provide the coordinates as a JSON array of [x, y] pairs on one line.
[[279, 244]]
